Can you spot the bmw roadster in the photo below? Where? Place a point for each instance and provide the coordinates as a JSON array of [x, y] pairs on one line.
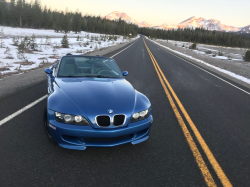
[[90, 103]]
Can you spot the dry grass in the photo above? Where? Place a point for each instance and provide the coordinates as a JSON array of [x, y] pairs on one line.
[[29, 51], [25, 63], [54, 57], [42, 58], [45, 64], [4, 69], [10, 57]]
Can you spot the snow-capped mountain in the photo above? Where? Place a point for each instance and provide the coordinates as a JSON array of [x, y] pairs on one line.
[[193, 22], [210, 24], [123, 16], [165, 26], [145, 24], [245, 29], [120, 15]]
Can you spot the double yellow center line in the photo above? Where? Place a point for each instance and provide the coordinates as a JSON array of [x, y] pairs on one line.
[[202, 165]]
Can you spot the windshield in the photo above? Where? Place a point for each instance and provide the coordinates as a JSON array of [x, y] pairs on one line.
[[80, 66]]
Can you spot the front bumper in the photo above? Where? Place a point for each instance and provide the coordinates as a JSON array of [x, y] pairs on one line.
[[79, 137]]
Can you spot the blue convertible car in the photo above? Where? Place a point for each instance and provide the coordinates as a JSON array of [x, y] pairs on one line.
[[90, 103]]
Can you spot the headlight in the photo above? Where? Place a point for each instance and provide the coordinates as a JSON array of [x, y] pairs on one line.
[[140, 115], [71, 119]]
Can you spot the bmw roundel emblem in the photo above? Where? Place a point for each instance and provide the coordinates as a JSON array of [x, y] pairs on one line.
[[110, 111]]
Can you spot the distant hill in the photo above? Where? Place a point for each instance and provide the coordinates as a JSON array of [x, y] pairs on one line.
[[245, 29], [193, 22], [123, 16], [210, 24]]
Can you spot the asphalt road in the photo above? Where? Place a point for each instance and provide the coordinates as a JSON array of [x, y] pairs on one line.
[[219, 111]]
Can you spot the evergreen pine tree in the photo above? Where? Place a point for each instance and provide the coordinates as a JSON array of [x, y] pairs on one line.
[[247, 56], [15, 40], [76, 23], [33, 44], [12, 13], [66, 23], [65, 42], [36, 14], [19, 13], [3, 8], [56, 24], [8, 54], [21, 51]]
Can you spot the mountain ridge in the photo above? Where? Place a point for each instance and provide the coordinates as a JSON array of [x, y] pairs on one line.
[[192, 22]]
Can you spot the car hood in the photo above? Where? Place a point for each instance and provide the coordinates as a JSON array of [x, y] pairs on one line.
[[95, 96]]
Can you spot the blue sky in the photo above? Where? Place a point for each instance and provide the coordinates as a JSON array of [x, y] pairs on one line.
[[156, 12]]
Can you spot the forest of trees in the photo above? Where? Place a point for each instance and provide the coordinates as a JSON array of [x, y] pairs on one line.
[[199, 35], [19, 13]]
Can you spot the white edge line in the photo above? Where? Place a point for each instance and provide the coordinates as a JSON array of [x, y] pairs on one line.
[[204, 69], [21, 110], [38, 100]]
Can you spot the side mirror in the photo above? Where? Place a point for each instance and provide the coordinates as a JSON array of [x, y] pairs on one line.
[[48, 71], [125, 73]]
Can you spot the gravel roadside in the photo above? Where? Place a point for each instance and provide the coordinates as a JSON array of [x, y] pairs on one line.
[[238, 67], [15, 83]]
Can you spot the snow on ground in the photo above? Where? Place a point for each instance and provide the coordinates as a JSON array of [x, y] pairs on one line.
[[49, 47], [15, 31], [217, 68], [213, 49]]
